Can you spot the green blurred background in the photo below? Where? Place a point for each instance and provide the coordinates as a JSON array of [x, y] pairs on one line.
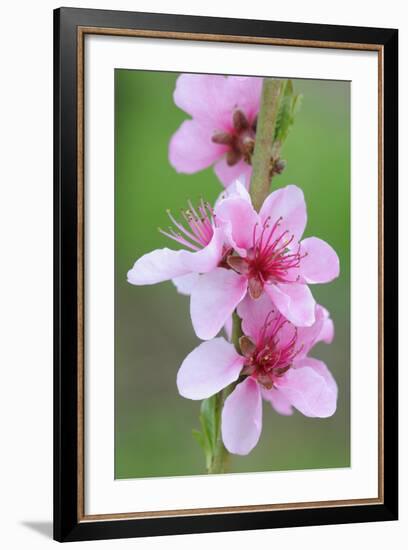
[[153, 333]]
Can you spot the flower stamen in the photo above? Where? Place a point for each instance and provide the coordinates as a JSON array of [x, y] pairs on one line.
[[271, 259], [269, 359], [198, 229], [239, 140]]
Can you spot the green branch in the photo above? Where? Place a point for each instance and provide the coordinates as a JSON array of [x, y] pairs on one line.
[[265, 134]]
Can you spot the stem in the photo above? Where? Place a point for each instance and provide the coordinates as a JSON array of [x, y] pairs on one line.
[[220, 459], [265, 133]]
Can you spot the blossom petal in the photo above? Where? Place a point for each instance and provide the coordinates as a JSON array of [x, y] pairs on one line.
[[214, 298], [228, 174], [205, 97], [157, 266], [322, 330], [320, 368], [257, 316], [294, 301], [245, 92], [164, 264], [254, 314], [307, 337], [238, 188], [185, 283], [208, 369], [209, 257], [310, 388], [320, 264], [289, 204], [327, 332], [191, 148], [241, 421], [278, 401], [241, 218]]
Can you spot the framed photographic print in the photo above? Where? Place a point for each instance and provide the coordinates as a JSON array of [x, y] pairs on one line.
[[225, 274]]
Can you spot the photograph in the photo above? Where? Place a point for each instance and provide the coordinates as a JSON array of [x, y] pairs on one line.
[[232, 286]]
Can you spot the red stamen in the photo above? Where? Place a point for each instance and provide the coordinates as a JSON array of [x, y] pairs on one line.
[[271, 259], [198, 229], [270, 359]]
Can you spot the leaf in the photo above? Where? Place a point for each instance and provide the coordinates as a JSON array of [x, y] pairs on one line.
[[199, 437], [201, 440], [296, 103], [209, 421], [288, 107], [207, 438]]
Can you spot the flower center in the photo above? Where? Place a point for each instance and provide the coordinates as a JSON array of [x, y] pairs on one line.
[[269, 358], [240, 140], [271, 259], [198, 228]]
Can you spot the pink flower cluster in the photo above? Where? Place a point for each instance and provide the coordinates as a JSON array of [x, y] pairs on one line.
[[233, 258]]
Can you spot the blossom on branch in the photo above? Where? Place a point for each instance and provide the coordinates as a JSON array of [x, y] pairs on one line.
[[222, 129], [272, 364]]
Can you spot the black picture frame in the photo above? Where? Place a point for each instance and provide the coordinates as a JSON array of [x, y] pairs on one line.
[[67, 523]]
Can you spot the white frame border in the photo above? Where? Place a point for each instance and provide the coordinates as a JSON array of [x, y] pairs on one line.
[[104, 495]]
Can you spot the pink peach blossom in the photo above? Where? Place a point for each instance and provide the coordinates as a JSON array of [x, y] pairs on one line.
[[272, 364], [207, 248], [196, 232], [268, 256], [205, 244], [222, 129]]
